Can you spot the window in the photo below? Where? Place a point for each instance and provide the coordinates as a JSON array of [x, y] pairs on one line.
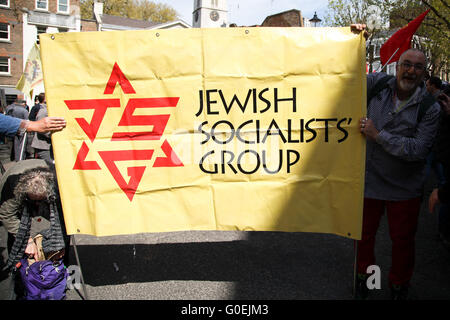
[[4, 32], [63, 6], [42, 4], [4, 3], [40, 29], [4, 65], [377, 50], [391, 69]]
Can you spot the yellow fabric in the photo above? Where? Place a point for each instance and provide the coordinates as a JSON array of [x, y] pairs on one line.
[[32, 74], [109, 189]]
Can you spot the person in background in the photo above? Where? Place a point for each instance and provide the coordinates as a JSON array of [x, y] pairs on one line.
[[10, 126], [17, 109], [32, 117], [34, 109], [434, 85], [441, 194], [41, 141], [18, 151]]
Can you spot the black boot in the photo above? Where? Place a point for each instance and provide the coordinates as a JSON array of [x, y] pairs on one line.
[[399, 292], [361, 290]]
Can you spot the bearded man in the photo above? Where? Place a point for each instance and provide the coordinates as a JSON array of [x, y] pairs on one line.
[[400, 126]]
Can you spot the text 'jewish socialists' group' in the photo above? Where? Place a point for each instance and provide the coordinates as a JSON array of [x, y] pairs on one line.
[[258, 142]]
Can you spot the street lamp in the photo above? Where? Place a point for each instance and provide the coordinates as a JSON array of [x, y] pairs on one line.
[[315, 21]]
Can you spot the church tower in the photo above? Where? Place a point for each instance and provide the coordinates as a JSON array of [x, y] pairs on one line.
[[210, 14]]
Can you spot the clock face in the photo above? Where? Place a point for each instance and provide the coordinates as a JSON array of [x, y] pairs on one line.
[[214, 15]]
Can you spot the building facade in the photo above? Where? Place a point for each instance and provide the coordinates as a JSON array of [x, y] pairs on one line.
[[210, 14], [11, 50], [290, 18], [21, 23]]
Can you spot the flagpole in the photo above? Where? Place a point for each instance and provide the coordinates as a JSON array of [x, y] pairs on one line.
[[23, 147], [355, 268], [79, 265], [382, 67]]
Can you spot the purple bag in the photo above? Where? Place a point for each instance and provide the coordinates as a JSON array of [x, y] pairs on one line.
[[44, 280]]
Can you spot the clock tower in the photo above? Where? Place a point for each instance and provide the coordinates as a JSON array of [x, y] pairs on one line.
[[210, 14]]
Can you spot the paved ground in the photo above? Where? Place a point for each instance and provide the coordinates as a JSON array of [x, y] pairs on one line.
[[219, 265]]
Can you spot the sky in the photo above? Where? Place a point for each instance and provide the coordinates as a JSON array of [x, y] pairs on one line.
[[251, 12]]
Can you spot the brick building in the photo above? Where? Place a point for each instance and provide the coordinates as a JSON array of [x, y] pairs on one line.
[[11, 55], [290, 18], [21, 22]]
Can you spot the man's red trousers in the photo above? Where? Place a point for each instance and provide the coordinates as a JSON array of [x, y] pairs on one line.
[[402, 219]]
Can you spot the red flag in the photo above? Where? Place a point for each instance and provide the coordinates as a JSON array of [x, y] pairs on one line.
[[400, 40]]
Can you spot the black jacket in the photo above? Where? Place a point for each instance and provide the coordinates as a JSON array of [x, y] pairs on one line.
[[34, 111], [442, 149]]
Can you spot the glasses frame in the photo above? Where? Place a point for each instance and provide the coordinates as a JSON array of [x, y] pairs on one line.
[[417, 67]]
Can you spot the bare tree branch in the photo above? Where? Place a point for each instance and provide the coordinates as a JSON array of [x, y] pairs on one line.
[[436, 12]]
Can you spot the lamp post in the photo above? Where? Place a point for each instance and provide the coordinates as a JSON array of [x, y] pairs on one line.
[[315, 21]]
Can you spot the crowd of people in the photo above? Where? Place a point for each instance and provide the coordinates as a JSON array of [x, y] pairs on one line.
[[29, 145], [407, 129], [30, 208]]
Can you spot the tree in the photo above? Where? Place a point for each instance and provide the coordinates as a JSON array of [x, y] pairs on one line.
[[374, 13], [432, 37], [134, 9], [434, 33]]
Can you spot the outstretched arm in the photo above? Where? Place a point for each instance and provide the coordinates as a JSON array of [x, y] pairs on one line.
[[47, 124]]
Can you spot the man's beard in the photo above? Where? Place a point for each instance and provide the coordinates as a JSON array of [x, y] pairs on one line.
[[405, 85]]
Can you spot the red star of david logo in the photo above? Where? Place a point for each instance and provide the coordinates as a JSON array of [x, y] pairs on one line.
[[157, 122]]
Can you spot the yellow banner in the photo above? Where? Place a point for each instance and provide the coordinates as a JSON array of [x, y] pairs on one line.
[[208, 129], [32, 73]]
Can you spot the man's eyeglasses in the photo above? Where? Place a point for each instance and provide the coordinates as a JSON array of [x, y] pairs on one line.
[[417, 67]]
